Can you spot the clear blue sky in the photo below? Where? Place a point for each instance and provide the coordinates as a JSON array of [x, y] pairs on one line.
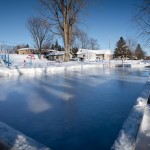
[[105, 20]]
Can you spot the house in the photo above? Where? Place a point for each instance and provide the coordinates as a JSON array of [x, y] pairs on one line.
[[55, 55], [27, 51], [32, 51], [93, 55]]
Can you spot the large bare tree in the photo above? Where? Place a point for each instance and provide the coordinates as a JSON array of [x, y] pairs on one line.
[[63, 14], [40, 31], [93, 44], [143, 19], [83, 39]]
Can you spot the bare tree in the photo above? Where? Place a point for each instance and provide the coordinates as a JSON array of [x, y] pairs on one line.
[[7, 48], [131, 43], [93, 44], [83, 39], [143, 19], [40, 31], [63, 14]]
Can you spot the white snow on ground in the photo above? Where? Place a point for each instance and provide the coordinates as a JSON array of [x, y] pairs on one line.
[[18, 62], [145, 128], [39, 66], [15, 140], [143, 137], [127, 136]]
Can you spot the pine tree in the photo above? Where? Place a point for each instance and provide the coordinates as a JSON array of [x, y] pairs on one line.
[[56, 45], [122, 51], [59, 48], [139, 53], [53, 47], [74, 50], [27, 46]]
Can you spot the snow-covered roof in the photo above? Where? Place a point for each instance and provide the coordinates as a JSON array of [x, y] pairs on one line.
[[81, 51], [50, 50], [24, 49], [56, 53]]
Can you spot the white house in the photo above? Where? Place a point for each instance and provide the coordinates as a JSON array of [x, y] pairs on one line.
[[93, 55]]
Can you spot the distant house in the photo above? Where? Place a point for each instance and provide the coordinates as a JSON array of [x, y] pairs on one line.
[[93, 55], [55, 55], [27, 51], [32, 51]]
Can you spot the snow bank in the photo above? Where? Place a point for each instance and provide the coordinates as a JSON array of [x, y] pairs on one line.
[[127, 136], [143, 137], [14, 140], [43, 68]]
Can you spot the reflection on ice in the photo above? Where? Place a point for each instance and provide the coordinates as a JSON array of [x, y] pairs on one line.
[[36, 104], [64, 95], [67, 96]]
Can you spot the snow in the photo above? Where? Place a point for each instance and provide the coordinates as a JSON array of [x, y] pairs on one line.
[[145, 127], [127, 136], [23, 65], [15, 140], [143, 137], [81, 51]]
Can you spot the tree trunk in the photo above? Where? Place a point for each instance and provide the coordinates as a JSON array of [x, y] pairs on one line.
[[39, 55], [66, 37], [67, 53]]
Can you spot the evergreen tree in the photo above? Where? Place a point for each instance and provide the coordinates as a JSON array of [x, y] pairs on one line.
[[74, 50], [122, 51], [59, 48], [62, 49], [53, 47], [56, 45], [139, 53], [27, 46]]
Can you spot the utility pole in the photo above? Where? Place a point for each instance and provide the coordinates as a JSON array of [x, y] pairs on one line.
[[2, 46], [8, 57]]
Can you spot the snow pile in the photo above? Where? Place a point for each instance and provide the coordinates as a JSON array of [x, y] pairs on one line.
[[15, 140], [127, 136], [145, 128]]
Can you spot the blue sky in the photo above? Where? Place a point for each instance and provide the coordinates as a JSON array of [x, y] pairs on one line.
[[105, 20]]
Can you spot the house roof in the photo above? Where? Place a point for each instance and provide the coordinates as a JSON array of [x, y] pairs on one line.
[[49, 50], [24, 49], [56, 53], [84, 51]]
